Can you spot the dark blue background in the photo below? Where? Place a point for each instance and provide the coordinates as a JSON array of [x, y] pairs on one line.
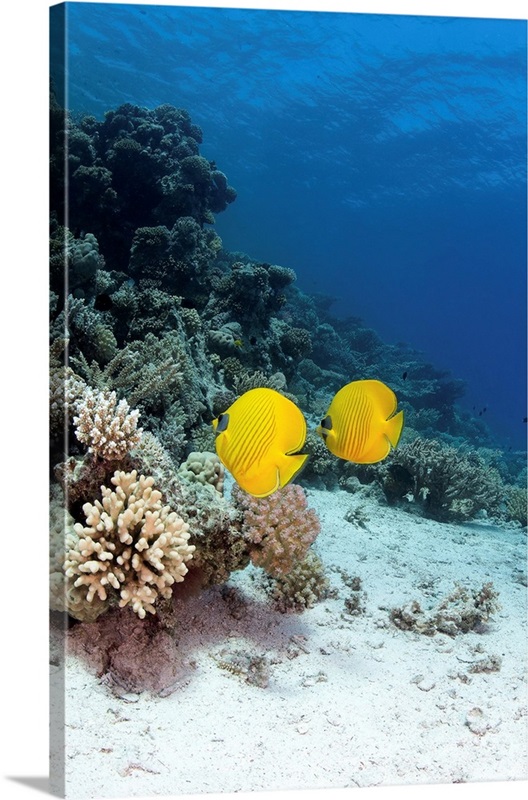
[[382, 157]]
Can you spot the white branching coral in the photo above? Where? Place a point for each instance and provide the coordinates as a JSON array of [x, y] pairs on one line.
[[131, 544], [108, 428]]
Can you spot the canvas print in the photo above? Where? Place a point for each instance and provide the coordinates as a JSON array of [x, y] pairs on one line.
[[288, 500]]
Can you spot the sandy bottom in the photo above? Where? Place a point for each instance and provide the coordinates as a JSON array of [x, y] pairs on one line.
[[351, 700]]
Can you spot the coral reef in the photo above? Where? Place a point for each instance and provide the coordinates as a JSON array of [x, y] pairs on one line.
[[79, 256], [460, 611], [302, 587], [517, 504], [322, 467], [221, 547], [279, 529], [66, 390], [64, 595], [175, 259], [107, 427], [250, 292], [205, 468], [135, 152], [143, 371], [164, 326], [445, 482], [131, 546]]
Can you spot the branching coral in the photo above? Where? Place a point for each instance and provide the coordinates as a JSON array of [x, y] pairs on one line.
[[446, 482], [143, 371], [302, 587], [131, 545], [108, 428], [244, 381], [517, 504], [279, 529], [66, 390], [64, 596]]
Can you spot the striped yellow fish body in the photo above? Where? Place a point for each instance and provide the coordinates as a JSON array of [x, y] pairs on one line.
[[259, 438], [361, 424]]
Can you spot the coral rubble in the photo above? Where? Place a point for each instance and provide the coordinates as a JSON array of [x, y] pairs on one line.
[[461, 611]]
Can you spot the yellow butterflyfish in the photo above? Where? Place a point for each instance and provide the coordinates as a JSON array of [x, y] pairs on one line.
[[259, 439], [361, 424]]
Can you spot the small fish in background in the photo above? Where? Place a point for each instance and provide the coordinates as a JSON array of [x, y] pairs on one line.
[[239, 343], [525, 419], [259, 439], [361, 424], [404, 376]]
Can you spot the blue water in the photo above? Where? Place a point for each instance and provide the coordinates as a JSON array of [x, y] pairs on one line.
[[381, 157]]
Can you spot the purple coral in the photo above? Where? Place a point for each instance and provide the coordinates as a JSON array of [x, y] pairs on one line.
[[279, 529]]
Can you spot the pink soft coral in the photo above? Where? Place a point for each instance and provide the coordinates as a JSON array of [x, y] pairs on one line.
[[279, 528]]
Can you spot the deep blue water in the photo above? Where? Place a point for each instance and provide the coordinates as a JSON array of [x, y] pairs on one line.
[[381, 157]]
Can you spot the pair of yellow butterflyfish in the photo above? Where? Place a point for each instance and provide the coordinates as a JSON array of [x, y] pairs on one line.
[[260, 437]]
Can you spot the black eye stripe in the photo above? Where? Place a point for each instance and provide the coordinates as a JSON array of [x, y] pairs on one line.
[[223, 421], [326, 423]]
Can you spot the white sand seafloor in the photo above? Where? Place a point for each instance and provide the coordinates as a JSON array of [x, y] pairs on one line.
[[351, 700]]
